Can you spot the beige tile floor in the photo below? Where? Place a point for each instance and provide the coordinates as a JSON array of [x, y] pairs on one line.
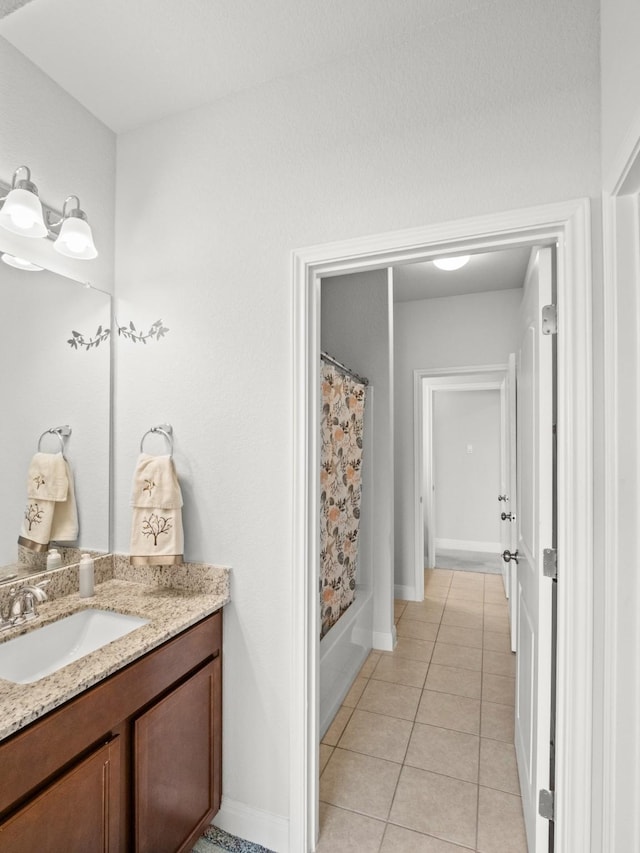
[[420, 757]]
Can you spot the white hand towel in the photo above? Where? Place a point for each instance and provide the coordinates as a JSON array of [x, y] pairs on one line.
[[157, 537], [51, 513], [65, 513]]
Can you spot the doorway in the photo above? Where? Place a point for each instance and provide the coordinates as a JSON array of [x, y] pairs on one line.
[[427, 383], [567, 226], [466, 473]]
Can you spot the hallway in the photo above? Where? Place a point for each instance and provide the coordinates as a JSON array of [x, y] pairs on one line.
[[420, 757]]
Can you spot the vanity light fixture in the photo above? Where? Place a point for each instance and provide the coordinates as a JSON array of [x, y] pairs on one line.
[[22, 209], [74, 239], [19, 263], [23, 213], [452, 263]]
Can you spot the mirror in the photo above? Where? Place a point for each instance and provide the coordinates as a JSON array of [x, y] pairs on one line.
[[46, 382]]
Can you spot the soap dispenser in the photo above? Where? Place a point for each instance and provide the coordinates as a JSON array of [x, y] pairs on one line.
[[54, 560], [86, 576]]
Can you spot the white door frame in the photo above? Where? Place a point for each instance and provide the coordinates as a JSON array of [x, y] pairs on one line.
[[425, 383], [568, 225], [621, 546]]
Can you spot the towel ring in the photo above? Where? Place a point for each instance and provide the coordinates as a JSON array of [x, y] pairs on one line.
[[59, 432], [167, 432]]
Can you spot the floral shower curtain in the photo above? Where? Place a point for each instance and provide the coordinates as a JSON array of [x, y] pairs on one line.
[[342, 425]]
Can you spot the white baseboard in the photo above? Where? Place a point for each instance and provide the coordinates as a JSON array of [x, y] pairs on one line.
[[404, 593], [385, 641], [468, 545], [265, 828]]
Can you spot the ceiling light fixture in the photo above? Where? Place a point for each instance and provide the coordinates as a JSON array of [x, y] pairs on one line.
[[23, 213], [19, 263], [452, 263]]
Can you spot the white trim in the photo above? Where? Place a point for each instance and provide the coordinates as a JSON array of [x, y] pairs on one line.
[[385, 642], [261, 827], [574, 656], [610, 545], [477, 377], [469, 545], [305, 622], [621, 674], [568, 224], [405, 593]]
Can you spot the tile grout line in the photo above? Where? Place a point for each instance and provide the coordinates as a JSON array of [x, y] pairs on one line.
[[413, 726], [448, 599], [484, 587]]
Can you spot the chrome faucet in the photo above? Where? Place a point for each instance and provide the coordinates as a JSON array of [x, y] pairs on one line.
[[22, 605]]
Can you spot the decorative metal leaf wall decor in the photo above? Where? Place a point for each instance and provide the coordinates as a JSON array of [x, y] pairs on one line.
[[78, 340], [157, 331]]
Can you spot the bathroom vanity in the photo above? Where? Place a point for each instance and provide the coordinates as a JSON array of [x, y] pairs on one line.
[[125, 749]]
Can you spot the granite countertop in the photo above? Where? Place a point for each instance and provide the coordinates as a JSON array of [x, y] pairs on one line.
[[169, 610]]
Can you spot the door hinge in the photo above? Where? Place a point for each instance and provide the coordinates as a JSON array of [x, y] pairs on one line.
[[549, 320], [550, 563], [546, 804]]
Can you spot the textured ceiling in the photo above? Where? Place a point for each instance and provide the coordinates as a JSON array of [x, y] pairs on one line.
[[489, 271], [130, 62]]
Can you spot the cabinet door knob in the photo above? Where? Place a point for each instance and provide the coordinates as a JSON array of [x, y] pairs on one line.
[[503, 498], [507, 516]]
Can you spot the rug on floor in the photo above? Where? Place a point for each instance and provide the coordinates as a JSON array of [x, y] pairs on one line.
[[214, 839]]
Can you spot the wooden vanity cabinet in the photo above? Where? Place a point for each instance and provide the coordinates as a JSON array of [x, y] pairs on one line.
[[132, 764], [175, 787], [79, 811]]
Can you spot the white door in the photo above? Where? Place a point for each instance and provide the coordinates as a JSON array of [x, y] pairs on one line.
[[535, 529], [510, 530]]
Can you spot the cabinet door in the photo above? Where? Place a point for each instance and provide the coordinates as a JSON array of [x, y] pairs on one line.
[[77, 813], [176, 753]]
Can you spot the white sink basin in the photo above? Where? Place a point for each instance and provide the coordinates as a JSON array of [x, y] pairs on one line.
[[44, 650]]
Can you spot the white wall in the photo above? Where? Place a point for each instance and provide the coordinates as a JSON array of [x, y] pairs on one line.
[[620, 64], [355, 330], [456, 331], [68, 151], [467, 483], [499, 113]]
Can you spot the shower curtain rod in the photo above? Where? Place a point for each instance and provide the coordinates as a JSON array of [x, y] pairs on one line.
[[330, 360]]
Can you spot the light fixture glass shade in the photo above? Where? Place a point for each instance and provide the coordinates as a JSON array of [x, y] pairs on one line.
[[450, 264], [75, 239], [20, 263], [22, 213]]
